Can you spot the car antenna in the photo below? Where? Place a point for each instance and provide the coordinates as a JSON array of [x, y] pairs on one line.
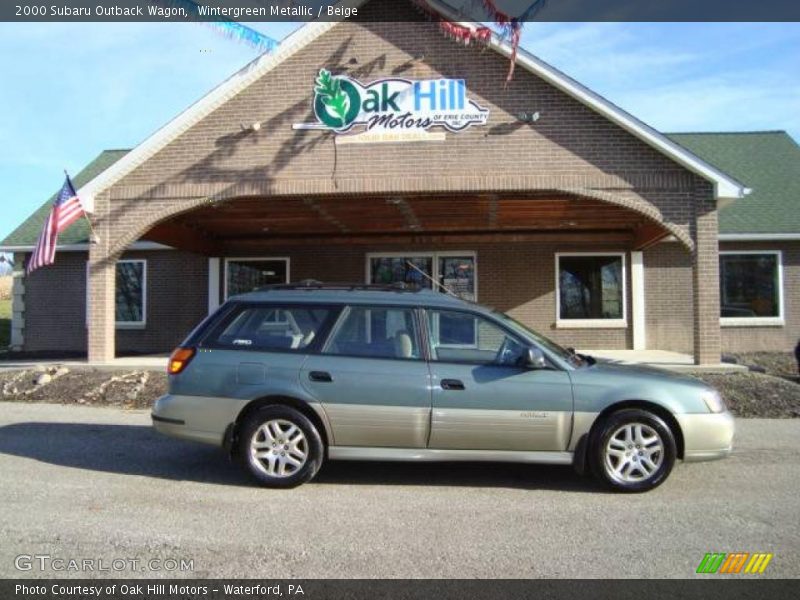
[[431, 279]]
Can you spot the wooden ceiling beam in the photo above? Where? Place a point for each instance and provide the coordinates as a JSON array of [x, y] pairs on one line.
[[594, 237], [647, 235], [411, 220], [362, 219], [326, 215], [184, 238]]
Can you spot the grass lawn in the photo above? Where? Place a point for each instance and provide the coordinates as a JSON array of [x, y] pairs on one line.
[[5, 323]]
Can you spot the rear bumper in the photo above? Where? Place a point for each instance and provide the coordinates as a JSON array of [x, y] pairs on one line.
[[195, 418], [706, 436]]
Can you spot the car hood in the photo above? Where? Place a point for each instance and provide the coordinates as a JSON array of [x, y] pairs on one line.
[[606, 367], [605, 382]]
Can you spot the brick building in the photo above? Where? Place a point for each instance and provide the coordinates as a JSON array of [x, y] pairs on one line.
[[539, 198]]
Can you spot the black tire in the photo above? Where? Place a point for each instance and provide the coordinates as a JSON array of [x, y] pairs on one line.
[[618, 467], [252, 430]]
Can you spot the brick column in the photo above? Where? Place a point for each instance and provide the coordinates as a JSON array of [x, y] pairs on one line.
[[102, 290], [18, 303], [705, 271]]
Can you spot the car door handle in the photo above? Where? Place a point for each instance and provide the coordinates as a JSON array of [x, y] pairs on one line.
[[321, 376], [452, 384]]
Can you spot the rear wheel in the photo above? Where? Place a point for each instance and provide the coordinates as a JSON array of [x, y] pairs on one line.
[[633, 451], [280, 447]]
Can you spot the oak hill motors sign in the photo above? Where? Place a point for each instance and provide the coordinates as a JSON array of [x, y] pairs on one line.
[[392, 105]]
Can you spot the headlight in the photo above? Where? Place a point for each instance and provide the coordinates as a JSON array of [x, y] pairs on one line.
[[714, 401]]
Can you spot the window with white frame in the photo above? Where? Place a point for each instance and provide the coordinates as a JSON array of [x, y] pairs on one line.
[[131, 293], [750, 287], [590, 289], [454, 272], [243, 275]]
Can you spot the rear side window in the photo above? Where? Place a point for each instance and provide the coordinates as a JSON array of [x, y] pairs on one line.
[[376, 332], [271, 327]]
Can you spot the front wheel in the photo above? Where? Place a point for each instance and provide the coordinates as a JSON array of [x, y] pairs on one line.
[[633, 451], [280, 447]]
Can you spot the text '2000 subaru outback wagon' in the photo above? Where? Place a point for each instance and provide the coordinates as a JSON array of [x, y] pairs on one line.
[[287, 377]]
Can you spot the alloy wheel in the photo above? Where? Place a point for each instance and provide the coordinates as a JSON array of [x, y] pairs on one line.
[[278, 448], [634, 453]]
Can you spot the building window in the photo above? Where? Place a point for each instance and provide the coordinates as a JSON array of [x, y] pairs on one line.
[[590, 290], [417, 270], [244, 275], [457, 274], [454, 272], [131, 296], [750, 288]]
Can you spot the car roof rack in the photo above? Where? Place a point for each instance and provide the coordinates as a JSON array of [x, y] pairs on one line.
[[313, 284]]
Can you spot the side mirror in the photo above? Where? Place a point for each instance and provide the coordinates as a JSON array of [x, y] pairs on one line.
[[535, 359]]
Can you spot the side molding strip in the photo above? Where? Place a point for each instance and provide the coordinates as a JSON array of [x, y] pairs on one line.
[[434, 455]]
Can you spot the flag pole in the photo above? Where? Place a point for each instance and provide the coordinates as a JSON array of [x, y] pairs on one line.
[[93, 237]]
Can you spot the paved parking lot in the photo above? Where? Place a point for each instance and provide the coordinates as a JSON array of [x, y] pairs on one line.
[[97, 483]]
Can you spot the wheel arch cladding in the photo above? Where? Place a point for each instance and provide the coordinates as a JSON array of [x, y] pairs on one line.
[[299, 405]]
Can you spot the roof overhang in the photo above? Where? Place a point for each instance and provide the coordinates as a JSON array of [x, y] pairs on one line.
[[726, 188], [141, 245], [759, 237]]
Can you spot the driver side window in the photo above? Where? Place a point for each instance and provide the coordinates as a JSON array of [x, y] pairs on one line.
[[487, 343]]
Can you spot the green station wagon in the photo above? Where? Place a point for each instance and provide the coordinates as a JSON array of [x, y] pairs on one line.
[[290, 376]]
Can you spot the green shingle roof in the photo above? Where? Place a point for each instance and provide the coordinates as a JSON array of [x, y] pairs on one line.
[[27, 233], [768, 162]]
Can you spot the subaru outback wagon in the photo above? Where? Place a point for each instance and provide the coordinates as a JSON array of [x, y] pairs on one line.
[[287, 377]]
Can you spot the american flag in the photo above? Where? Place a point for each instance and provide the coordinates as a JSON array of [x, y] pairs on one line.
[[66, 210]]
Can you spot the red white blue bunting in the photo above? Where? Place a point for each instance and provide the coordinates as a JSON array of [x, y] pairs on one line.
[[455, 31], [230, 29], [510, 28]]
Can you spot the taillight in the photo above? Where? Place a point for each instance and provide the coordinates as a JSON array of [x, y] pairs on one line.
[[180, 359]]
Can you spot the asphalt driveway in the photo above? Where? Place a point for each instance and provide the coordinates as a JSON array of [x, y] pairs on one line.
[[99, 484]]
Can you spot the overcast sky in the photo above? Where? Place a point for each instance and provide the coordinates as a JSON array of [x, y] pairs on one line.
[[71, 90]]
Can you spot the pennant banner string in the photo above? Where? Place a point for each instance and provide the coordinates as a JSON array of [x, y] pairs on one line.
[[230, 29], [510, 27], [455, 31]]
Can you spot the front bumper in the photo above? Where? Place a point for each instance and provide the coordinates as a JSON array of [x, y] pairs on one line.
[[707, 436], [196, 418]]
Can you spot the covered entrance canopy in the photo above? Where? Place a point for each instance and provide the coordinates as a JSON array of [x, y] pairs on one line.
[[248, 224], [516, 245]]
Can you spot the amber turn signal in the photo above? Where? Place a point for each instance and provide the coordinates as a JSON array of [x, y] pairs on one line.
[[180, 359]]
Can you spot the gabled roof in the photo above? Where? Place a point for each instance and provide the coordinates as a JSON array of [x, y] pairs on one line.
[[26, 234], [724, 185], [766, 161]]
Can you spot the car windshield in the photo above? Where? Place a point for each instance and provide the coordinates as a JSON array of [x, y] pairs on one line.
[[568, 355]]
